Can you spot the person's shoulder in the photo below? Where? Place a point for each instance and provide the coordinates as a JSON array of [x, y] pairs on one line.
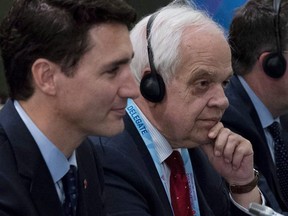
[[117, 150], [4, 141], [7, 155], [234, 87], [121, 142], [238, 101]]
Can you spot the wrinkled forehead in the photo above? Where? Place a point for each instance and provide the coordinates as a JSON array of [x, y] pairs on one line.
[[206, 41], [205, 50], [207, 36]]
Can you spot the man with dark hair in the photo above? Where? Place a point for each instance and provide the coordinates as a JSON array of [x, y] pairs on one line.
[[67, 65], [258, 91]]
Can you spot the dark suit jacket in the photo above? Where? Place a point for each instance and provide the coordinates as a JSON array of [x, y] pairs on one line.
[[133, 186], [26, 185], [242, 118]]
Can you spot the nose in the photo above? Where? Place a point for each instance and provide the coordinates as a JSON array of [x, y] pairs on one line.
[[218, 98], [129, 87]]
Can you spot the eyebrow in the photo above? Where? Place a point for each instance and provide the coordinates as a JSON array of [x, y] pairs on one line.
[[118, 62], [122, 61], [203, 74]]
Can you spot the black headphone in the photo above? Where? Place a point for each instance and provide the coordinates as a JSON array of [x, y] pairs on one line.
[[274, 64], [152, 85]]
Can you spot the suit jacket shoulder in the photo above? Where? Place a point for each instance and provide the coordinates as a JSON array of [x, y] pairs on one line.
[[129, 187], [26, 185]]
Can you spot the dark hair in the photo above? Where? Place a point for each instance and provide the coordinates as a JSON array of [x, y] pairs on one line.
[[253, 32], [53, 29]]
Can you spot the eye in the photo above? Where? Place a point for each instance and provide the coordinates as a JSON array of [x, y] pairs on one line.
[[202, 84], [113, 70]]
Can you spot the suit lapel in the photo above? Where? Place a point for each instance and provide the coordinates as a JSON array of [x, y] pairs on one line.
[[199, 164], [30, 163], [149, 164], [44, 194], [90, 182], [203, 205]]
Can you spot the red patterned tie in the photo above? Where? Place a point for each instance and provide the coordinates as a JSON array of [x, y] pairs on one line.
[[179, 188]]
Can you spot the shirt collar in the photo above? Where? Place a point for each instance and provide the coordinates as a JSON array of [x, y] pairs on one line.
[[162, 146], [56, 161]]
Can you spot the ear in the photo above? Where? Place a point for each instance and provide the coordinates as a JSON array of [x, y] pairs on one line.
[[146, 71], [43, 72]]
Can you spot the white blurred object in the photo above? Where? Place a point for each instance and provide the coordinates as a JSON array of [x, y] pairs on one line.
[[185, 2], [260, 210]]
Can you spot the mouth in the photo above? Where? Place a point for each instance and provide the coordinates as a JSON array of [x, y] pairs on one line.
[[210, 122], [120, 111]]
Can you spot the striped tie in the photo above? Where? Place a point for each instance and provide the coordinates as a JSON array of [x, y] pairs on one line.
[[281, 158]]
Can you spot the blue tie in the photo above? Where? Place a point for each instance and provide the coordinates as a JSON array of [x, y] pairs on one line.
[[281, 158], [71, 193]]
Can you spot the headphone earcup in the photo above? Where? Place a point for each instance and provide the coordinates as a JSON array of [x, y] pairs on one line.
[[152, 87], [274, 65]]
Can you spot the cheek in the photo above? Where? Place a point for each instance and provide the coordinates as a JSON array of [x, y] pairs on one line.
[[189, 123], [105, 94], [96, 92], [86, 99], [181, 123]]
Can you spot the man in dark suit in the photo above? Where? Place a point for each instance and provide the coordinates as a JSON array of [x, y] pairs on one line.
[[178, 115], [258, 91], [67, 67]]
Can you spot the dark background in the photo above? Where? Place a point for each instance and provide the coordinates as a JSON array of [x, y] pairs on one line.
[[142, 7], [4, 6]]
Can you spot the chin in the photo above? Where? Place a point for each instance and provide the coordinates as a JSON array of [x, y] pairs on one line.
[[116, 129], [108, 128]]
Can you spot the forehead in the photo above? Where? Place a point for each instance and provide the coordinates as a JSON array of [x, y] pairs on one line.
[[109, 34], [204, 50], [108, 42]]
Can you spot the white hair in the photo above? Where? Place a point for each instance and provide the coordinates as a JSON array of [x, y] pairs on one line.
[[166, 32]]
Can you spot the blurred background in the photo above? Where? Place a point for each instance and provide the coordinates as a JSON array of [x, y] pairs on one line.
[[4, 6], [220, 10]]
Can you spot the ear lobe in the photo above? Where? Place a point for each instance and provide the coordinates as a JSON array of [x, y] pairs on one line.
[[43, 72], [146, 71]]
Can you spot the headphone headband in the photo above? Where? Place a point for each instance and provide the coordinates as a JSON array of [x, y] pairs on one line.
[[274, 64], [148, 37], [276, 6], [152, 86]]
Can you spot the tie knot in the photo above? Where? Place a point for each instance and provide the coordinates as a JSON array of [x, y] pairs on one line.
[[274, 129], [72, 173], [175, 163]]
